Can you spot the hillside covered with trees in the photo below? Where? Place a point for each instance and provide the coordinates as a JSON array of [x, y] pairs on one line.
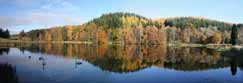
[[129, 28]]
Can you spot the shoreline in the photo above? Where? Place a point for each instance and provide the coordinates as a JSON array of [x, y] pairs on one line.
[[210, 46]]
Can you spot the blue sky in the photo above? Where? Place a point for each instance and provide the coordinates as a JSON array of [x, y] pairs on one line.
[[18, 15]]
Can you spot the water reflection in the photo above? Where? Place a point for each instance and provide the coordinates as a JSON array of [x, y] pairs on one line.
[[43, 62], [192, 59], [236, 59], [129, 62], [7, 73], [4, 50], [112, 58], [122, 59]]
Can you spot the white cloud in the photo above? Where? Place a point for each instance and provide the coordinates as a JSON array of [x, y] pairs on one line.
[[52, 12], [7, 21], [47, 13], [49, 18], [22, 3], [56, 11]]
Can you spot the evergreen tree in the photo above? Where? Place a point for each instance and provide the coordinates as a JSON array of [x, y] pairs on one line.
[[234, 34], [1, 33], [4, 34], [7, 34]]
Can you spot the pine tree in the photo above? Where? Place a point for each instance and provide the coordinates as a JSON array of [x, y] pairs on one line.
[[234, 34], [7, 34], [4, 34], [1, 33]]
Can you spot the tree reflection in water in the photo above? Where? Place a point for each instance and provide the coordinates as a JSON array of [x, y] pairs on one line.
[[236, 59], [7, 73], [130, 58], [4, 50]]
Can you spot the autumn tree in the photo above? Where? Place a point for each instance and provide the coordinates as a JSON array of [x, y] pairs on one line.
[[101, 37], [171, 34], [154, 35], [131, 28], [22, 34], [216, 38], [129, 36], [240, 38], [69, 33]]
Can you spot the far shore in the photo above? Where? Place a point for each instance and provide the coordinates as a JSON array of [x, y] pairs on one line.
[[219, 47], [25, 41]]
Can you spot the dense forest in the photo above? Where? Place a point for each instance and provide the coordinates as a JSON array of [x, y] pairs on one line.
[[129, 28], [115, 27]]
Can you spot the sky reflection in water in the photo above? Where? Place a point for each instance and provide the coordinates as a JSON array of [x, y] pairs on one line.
[[71, 63]]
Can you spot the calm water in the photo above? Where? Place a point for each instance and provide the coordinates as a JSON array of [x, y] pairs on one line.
[[75, 63]]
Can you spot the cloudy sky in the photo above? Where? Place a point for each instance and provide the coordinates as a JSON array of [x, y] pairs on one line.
[[17, 15]]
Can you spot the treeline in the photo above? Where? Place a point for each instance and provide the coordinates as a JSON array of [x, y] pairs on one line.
[[129, 28], [203, 31], [116, 28], [121, 20], [4, 33], [184, 22]]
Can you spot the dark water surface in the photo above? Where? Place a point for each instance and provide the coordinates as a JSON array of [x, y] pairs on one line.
[[75, 63]]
